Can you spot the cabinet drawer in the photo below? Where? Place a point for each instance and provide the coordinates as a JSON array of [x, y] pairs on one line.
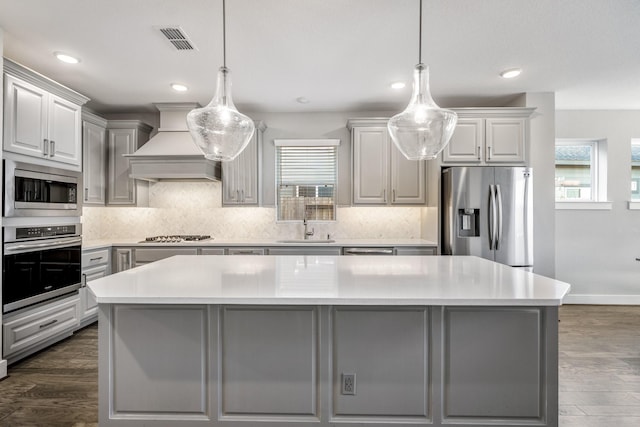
[[147, 255], [305, 251], [246, 251], [211, 251], [93, 258], [31, 327], [416, 251]]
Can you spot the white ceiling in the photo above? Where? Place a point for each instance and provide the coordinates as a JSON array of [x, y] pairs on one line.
[[340, 54]]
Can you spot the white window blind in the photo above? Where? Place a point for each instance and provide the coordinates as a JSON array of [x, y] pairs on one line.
[[306, 176]]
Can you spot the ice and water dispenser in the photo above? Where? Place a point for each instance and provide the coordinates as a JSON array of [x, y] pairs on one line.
[[468, 222]]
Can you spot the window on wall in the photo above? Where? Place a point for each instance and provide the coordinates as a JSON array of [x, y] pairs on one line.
[[635, 170], [306, 177], [580, 172]]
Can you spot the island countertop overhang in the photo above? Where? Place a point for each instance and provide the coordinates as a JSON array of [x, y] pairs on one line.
[[329, 280]]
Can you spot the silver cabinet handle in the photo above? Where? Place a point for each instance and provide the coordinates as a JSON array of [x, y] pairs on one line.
[[393, 192], [95, 259], [84, 280], [384, 195], [86, 194], [479, 151], [45, 147], [52, 152], [489, 152], [44, 325]]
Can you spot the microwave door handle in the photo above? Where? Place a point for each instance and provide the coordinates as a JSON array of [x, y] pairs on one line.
[[51, 244]]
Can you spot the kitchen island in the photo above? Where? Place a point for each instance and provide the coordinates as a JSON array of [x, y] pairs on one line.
[[327, 340]]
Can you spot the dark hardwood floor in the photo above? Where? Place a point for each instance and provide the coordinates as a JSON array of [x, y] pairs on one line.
[[57, 387], [599, 375]]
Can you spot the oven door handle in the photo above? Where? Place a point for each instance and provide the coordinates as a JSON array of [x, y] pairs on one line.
[[53, 243]]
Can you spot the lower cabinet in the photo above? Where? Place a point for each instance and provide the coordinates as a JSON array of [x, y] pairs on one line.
[[96, 263], [332, 250], [246, 251], [32, 329]]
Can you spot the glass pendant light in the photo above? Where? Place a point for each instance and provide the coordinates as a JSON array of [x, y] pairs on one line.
[[423, 129], [219, 129]]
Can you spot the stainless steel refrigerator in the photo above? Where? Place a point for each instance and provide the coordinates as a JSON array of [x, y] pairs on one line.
[[488, 212]]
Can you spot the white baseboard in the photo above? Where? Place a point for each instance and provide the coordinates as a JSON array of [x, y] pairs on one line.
[[3, 368], [602, 299]]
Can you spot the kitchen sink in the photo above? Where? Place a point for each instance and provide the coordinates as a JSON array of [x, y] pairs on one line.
[[305, 241]]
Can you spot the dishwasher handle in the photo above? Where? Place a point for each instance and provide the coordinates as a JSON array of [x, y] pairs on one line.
[[368, 251]]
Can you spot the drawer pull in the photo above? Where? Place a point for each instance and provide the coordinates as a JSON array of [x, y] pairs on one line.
[[95, 259], [44, 325]]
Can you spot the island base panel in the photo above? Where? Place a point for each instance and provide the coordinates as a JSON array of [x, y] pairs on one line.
[[268, 366]]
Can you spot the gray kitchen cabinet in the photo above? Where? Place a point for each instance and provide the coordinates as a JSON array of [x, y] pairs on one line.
[[245, 251], [241, 178], [27, 331], [96, 263], [94, 159], [381, 174], [416, 250], [210, 251], [489, 135], [147, 255], [125, 137], [122, 259], [42, 119], [307, 250]]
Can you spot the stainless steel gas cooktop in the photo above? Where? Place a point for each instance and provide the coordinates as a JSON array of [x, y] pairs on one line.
[[176, 238]]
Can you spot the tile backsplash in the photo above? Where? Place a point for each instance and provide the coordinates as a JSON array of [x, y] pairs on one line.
[[196, 208]]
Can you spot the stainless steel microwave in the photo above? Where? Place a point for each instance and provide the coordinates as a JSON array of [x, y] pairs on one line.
[[34, 190]]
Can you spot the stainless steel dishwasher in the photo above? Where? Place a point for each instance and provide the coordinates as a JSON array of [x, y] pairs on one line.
[[368, 251]]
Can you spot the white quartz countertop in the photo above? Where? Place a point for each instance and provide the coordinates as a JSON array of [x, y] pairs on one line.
[[95, 244], [328, 280]]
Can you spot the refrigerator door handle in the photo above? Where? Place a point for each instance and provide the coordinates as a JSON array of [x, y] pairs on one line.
[[499, 228], [492, 217]]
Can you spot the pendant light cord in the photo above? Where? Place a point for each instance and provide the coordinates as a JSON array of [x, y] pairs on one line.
[[419, 36], [224, 35]]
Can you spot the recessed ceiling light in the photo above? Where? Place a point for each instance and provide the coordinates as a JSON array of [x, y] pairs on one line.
[[398, 85], [511, 73], [179, 87], [302, 100], [66, 58]]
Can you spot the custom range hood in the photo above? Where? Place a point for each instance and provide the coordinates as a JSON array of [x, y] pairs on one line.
[[171, 154]]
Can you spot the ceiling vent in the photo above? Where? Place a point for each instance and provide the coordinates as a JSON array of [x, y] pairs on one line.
[[177, 37]]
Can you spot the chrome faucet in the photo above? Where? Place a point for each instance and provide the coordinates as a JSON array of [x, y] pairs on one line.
[[306, 232]]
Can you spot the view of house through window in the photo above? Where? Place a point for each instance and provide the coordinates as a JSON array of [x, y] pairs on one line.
[[576, 170], [306, 176], [635, 169]]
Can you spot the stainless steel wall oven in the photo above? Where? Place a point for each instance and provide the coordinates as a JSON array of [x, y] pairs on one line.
[[33, 190], [40, 263]]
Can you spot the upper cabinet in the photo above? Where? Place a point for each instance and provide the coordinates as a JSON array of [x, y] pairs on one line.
[[42, 119], [381, 173], [94, 159], [125, 137], [241, 178], [488, 136]]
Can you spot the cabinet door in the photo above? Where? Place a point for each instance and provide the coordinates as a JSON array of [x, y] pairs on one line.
[[240, 177], [505, 140], [122, 259], [88, 303], [248, 173], [370, 165], [122, 189], [64, 131], [25, 118], [466, 143], [94, 151], [408, 181]]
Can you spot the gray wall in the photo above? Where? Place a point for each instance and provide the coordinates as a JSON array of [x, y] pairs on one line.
[[596, 250]]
